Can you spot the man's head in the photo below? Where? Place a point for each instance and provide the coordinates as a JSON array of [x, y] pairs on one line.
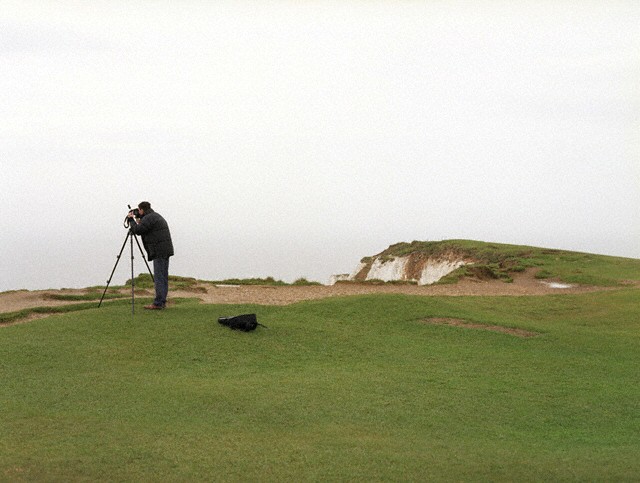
[[144, 207]]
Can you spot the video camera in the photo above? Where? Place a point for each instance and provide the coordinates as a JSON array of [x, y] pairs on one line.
[[135, 212]]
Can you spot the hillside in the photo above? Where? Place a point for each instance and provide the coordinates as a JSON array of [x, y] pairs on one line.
[[448, 261], [445, 268]]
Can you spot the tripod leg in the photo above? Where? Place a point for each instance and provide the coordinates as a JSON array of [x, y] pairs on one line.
[[133, 283], [114, 267], [145, 259]]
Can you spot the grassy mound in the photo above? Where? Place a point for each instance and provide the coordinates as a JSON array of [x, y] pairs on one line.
[[191, 284], [501, 261]]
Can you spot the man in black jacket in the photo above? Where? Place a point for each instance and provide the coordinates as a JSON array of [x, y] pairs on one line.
[[156, 239]]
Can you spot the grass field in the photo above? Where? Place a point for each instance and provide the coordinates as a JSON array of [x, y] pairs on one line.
[[356, 389]]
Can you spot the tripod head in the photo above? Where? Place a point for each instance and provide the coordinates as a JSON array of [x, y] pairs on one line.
[[127, 220]]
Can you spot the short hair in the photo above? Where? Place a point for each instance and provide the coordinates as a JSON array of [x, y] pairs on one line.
[[144, 205]]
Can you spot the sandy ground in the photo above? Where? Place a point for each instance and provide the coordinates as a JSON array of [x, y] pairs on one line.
[[523, 284]]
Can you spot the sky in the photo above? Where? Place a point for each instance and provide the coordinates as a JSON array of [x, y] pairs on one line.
[[292, 138]]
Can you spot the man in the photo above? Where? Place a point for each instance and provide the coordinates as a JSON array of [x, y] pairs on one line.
[[156, 239]]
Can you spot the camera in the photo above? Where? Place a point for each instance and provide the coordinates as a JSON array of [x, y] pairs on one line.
[[135, 212]]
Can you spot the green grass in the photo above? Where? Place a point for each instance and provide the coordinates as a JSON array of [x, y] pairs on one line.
[[263, 281], [90, 295], [144, 281], [176, 282], [8, 317], [343, 389]]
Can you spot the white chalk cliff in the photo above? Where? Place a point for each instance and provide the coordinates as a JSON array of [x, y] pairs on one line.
[[409, 268], [434, 270]]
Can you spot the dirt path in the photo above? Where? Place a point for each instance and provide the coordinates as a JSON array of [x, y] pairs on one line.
[[523, 284], [266, 295]]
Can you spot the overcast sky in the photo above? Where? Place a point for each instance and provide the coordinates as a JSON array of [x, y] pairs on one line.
[[292, 138]]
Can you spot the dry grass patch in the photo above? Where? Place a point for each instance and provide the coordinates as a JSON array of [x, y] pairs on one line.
[[474, 325]]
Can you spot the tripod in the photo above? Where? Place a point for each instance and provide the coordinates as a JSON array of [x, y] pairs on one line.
[[130, 236]]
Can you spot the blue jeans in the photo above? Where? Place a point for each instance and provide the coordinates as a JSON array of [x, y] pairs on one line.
[[161, 280]]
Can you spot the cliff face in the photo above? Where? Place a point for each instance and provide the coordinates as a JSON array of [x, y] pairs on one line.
[[414, 267], [426, 262]]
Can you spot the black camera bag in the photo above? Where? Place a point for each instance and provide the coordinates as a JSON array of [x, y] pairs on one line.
[[245, 322]]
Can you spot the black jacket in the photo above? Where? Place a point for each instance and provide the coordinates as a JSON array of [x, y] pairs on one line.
[[156, 237]]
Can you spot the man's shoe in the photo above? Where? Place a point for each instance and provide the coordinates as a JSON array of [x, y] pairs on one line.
[[153, 307]]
